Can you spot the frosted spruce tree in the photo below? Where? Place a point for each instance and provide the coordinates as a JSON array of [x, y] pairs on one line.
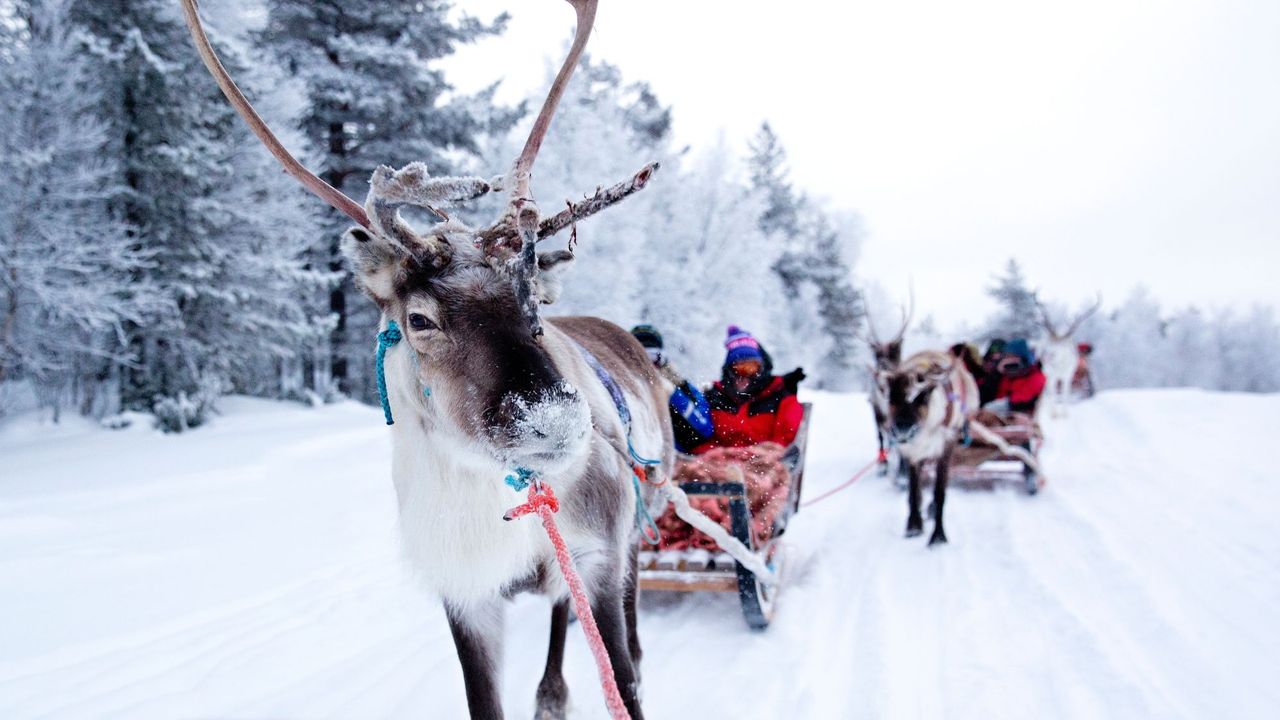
[[68, 261], [686, 255], [1017, 315], [821, 308], [839, 306], [373, 98], [223, 228]]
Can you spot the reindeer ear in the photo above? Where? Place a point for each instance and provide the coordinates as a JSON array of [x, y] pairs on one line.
[[373, 262], [551, 265]]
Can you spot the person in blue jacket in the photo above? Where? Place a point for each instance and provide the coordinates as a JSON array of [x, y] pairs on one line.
[[690, 411]]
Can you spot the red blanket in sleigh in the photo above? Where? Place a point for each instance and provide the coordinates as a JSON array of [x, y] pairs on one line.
[[767, 483]]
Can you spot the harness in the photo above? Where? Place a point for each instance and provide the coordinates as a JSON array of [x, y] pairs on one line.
[[639, 465], [952, 397]]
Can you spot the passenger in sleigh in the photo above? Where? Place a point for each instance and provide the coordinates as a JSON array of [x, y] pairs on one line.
[[1021, 380], [1010, 413], [756, 416], [688, 407], [749, 404]]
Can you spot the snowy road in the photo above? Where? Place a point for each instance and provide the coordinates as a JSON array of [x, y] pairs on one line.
[[249, 570]]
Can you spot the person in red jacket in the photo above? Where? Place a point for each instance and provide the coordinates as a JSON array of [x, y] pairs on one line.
[[1021, 380], [751, 405]]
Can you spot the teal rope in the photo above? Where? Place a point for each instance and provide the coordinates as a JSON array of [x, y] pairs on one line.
[[644, 521], [520, 479], [643, 461], [386, 339]]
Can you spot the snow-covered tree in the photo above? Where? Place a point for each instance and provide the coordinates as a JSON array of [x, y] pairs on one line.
[[710, 265], [374, 98], [1248, 348], [1017, 315], [68, 262], [822, 309], [1195, 360], [224, 229], [1134, 352]]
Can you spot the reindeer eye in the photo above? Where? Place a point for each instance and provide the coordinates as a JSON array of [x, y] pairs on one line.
[[418, 321]]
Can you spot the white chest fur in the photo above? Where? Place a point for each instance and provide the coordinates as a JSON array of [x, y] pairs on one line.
[[451, 524]]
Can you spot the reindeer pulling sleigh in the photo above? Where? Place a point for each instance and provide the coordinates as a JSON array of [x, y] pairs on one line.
[[930, 424]]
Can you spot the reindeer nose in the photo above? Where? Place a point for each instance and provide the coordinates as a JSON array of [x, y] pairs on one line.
[[554, 416]]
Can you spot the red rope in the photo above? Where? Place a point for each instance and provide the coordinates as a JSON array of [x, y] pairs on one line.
[[543, 501], [841, 486]]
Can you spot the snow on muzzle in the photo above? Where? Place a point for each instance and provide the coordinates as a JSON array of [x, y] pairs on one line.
[[546, 432]]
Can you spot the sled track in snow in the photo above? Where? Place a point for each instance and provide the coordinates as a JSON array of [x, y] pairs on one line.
[[250, 570]]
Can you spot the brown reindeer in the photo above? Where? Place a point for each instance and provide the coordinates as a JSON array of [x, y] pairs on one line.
[[558, 400], [930, 398]]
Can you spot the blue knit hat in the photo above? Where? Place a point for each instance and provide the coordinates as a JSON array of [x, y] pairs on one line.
[[1019, 347], [741, 346]]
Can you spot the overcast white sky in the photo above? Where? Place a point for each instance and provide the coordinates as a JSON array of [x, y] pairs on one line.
[[1104, 143]]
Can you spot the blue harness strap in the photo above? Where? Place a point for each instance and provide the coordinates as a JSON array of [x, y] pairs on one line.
[[644, 520], [615, 392]]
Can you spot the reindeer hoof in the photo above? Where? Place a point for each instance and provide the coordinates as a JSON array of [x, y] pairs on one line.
[[914, 527], [553, 700], [938, 538]]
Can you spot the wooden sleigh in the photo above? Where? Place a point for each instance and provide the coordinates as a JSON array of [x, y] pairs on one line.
[[696, 570], [980, 465]]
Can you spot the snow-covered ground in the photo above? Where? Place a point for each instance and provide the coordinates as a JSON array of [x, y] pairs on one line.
[[249, 570]]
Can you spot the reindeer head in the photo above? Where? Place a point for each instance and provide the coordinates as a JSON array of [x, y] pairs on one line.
[[888, 354], [1046, 321], [916, 397], [469, 314], [466, 299]]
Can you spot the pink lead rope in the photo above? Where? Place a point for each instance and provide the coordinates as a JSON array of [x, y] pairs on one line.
[[543, 502], [841, 486]]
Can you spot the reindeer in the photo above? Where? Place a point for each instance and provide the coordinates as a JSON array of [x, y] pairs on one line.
[[1058, 355], [506, 390], [930, 397], [886, 356]]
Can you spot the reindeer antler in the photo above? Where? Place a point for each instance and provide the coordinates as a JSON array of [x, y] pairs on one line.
[[1079, 320], [586, 12], [907, 313], [873, 337], [518, 229], [309, 180], [1045, 319]]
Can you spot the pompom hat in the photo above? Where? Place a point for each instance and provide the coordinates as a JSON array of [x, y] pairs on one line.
[[741, 346]]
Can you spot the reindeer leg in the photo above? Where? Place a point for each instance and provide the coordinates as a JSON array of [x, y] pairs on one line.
[[477, 635], [607, 606], [915, 523], [940, 495], [882, 458], [553, 693], [630, 597]]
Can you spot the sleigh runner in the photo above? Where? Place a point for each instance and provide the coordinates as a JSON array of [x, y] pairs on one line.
[[699, 564]]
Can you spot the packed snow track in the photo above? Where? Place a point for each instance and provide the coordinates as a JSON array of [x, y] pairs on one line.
[[249, 570]]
